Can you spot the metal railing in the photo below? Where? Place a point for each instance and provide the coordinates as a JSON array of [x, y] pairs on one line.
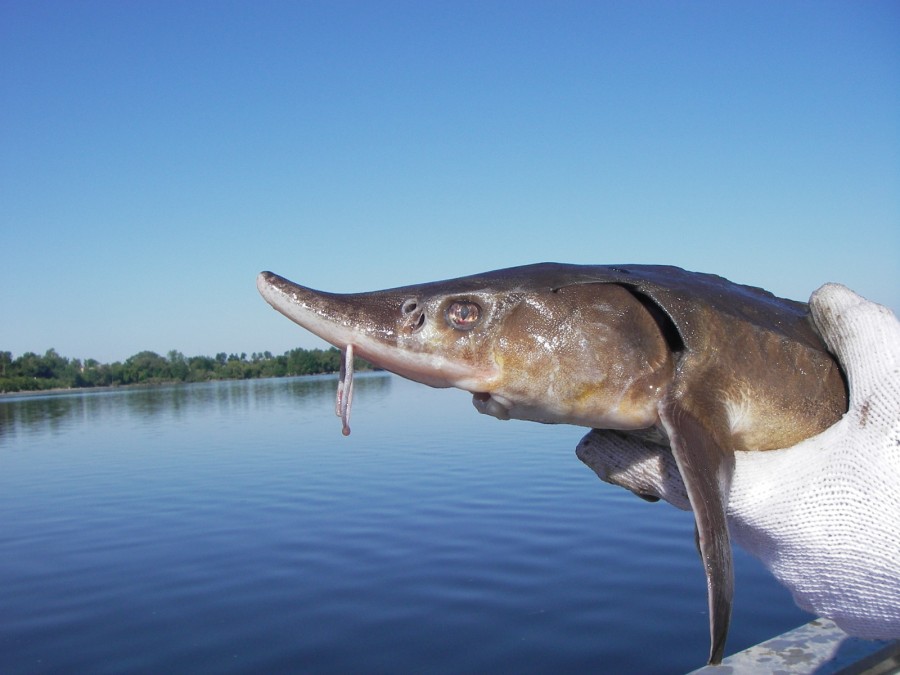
[[817, 648]]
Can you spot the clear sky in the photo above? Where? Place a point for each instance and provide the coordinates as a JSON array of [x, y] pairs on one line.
[[155, 156]]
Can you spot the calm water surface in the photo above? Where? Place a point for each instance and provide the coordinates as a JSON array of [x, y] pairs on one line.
[[229, 527]]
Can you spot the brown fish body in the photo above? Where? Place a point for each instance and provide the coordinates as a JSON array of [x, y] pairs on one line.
[[708, 366], [750, 364]]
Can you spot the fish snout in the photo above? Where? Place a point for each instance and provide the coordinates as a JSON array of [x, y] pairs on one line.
[[279, 292], [327, 315]]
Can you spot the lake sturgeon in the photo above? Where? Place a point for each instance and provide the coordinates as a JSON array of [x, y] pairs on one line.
[[692, 361]]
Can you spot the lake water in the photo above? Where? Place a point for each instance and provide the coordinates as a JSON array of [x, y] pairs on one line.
[[229, 527]]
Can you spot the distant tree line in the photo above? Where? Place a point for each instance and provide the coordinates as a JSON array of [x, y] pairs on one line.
[[32, 372]]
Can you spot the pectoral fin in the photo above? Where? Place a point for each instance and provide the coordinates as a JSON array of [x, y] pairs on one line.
[[706, 470]]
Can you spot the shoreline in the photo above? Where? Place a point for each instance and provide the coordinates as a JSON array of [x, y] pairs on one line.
[[149, 385]]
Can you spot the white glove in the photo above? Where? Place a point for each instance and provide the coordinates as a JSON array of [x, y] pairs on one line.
[[823, 515]]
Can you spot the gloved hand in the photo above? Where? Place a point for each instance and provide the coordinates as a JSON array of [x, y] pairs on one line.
[[823, 515]]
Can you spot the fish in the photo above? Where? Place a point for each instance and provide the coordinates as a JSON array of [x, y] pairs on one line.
[[698, 364]]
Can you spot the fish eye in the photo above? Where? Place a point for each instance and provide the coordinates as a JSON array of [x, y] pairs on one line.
[[463, 315]]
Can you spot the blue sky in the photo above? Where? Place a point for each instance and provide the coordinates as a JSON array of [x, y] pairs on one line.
[[155, 156]]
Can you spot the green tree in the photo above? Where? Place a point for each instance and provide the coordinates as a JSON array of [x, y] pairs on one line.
[[145, 366], [178, 366]]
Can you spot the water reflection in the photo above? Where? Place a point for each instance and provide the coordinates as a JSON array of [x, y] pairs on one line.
[[24, 416]]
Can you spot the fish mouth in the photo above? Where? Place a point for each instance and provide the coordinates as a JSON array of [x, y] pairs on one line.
[[491, 404]]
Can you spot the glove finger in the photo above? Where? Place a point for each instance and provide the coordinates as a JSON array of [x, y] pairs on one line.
[[863, 335]]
